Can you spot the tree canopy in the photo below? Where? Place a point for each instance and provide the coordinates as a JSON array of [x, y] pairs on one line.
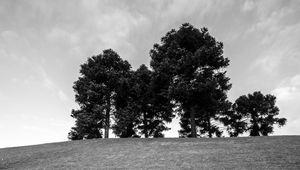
[[259, 112], [187, 77], [144, 111], [95, 92], [191, 63]]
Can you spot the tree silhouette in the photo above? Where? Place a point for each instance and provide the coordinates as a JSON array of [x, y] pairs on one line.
[[234, 122], [255, 113], [140, 113], [96, 90], [125, 116], [188, 78], [189, 64]]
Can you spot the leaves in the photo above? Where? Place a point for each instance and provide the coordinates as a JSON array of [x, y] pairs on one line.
[[188, 77], [95, 90], [191, 60], [259, 111], [145, 110]]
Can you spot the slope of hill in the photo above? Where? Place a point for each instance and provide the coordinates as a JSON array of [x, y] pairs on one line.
[[278, 152]]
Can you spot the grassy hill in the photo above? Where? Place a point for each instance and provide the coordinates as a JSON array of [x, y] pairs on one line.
[[278, 152]]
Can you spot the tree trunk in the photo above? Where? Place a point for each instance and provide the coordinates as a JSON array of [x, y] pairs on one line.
[[209, 126], [193, 123], [107, 118], [145, 126], [255, 128]]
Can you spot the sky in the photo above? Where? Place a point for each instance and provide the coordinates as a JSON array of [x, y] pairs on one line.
[[43, 43]]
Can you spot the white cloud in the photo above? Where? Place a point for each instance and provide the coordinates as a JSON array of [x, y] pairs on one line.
[[42, 43], [285, 93], [49, 84], [248, 5], [276, 35], [2, 97], [266, 7], [62, 95], [282, 50], [59, 35], [9, 36], [268, 63], [14, 47], [288, 90], [288, 99], [271, 23], [112, 31], [179, 9]]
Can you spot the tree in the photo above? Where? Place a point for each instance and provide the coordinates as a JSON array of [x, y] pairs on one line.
[[189, 67], [86, 126], [141, 112], [161, 105], [95, 92], [259, 112], [125, 115], [235, 123], [143, 99], [154, 111]]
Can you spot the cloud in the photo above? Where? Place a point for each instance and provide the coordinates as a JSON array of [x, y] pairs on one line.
[[271, 23], [268, 63], [61, 35], [289, 89], [181, 10], [248, 5], [2, 97], [113, 30], [43, 43], [49, 84], [288, 95], [24, 68], [14, 47], [274, 30], [176, 8], [280, 50], [62, 96]]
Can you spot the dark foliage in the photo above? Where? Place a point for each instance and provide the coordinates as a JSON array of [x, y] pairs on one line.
[[140, 112], [188, 78], [234, 122], [95, 92], [189, 66], [255, 113]]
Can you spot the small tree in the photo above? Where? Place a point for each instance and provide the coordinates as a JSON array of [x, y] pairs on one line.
[[235, 123], [87, 125], [258, 111]]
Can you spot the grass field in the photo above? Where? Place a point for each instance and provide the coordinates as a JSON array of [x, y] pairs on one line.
[[280, 152]]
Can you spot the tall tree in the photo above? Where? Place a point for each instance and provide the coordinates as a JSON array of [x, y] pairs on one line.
[[95, 92], [154, 109], [189, 64], [141, 112], [142, 79], [125, 115], [161, 105], [259, 112]]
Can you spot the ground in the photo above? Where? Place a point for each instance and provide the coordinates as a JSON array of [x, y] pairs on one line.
[[277, 152]]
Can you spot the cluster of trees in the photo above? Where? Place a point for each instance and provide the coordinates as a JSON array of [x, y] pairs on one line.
[[187, 78]]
